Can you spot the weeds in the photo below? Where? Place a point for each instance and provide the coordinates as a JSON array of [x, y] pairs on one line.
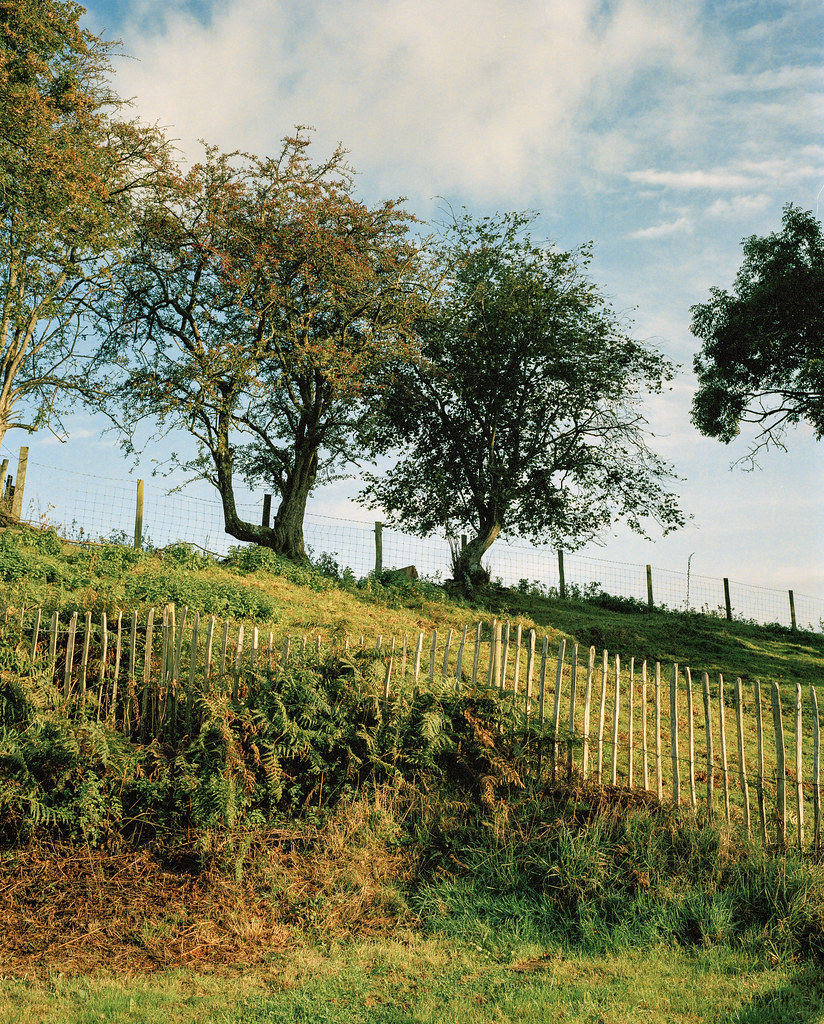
[[340, 811]]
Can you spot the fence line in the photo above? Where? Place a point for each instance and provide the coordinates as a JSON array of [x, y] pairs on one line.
[[146, 679], [88, 507]]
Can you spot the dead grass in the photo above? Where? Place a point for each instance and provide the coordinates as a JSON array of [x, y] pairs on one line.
[[78, 910]]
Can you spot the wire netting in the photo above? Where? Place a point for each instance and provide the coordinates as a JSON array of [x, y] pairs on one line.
[[88, 507]]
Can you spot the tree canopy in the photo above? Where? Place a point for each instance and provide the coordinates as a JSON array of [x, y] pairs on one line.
[[260, 299], [70, 168], [523, 417], [762, 353]]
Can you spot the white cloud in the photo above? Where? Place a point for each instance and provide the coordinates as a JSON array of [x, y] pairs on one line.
[[721, 178], [806, 79], [673, 227], [780, 171], [471, 96], [738, 206]]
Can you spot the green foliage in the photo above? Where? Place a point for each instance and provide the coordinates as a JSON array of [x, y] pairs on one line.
[[224, 597], [72, 170], [596, 882], [762, 346], [256, 558], [295, 293], [31, 556], [524, 416]]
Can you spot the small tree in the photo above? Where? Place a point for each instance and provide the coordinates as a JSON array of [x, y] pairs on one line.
[[762, 352], [71, 170], [523, 418], [260, 299]]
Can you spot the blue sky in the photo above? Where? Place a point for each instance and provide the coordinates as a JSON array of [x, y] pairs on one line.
[[663, 131]]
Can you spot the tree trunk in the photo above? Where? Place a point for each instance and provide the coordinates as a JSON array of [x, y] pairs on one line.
[[285, 536], [466, 562]]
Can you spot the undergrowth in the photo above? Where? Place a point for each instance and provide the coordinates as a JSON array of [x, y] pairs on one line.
[[348, 812]]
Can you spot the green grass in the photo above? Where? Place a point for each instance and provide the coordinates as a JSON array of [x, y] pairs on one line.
[[493, 902], [428, 981], [36, 568]]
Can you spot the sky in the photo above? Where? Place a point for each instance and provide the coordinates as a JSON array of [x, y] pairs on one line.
[[665, 131]]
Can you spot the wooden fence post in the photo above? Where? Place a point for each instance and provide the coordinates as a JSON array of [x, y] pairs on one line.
[[780, 767], [84, 657], [190, 695], [587, 701], [490, 669], [644, 746], [35, 633], [650, 601], [116, 671], [238, 666], [458, 664], [630, 722], [691, 739], [799, 767], [676, 759], [561, 577], [727, 602], [67, 675], [447, 645], [147, 677], [138, 518], [722, 736], [517, 668], [530, 670], [387, 683], [816, 772], [616, 704], [267, 510], [541, 705], [378, 548], [710, 757], [504, 658], [477, 654], [433, 649], [601, 712], [792, 610], [19, 483], [101, 672], [759, 782], [659, 773], [742, 766], [416, 667], [573, 676], [556, 705], [131, 713]]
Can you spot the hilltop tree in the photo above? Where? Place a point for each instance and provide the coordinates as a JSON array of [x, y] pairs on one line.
[[71, 169], [523, 417], [260, 299], [762, 352]]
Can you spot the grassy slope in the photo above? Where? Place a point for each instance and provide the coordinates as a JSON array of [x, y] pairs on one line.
[[465, 973], [289, 601]]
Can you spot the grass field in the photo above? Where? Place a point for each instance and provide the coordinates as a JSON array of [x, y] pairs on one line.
[[222, 880]]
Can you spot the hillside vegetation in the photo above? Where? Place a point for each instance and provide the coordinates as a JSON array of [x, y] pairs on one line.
[[357, 846]]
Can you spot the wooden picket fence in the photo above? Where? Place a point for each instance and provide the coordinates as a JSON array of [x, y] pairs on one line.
[[604, 719]]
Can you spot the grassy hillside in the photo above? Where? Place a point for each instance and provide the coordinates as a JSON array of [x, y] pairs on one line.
[[254, 585], [338, 857]]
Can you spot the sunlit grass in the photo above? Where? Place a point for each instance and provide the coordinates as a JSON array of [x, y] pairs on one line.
[[433, 982]]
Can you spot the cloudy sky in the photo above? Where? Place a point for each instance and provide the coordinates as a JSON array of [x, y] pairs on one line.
[[663, 130]]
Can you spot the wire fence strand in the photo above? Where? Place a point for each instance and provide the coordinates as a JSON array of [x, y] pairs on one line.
[[86, 508]]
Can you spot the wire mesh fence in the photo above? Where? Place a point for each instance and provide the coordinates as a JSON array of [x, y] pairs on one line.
[[87, 507]]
